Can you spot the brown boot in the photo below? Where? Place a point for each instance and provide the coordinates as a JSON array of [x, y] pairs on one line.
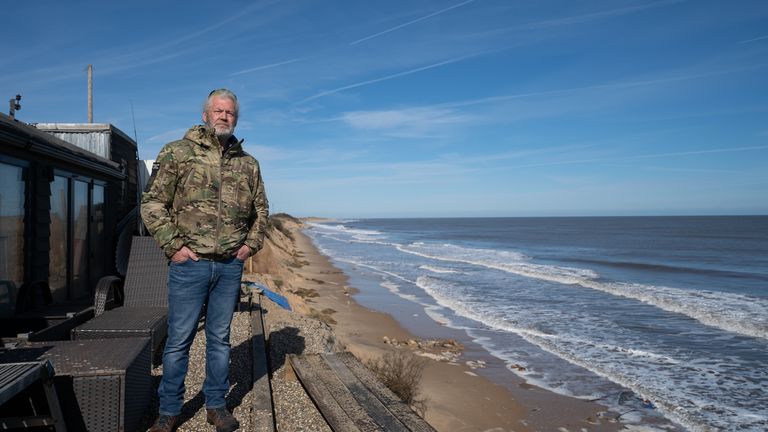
[[164, 423], [222, 419]]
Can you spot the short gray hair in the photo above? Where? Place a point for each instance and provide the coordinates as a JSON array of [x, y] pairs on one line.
[[222, 93]]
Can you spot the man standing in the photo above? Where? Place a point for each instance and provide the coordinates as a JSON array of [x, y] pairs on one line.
[[206, 208]]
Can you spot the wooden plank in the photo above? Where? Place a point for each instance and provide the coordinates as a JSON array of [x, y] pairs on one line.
[[263, 418], [367, 400], [330, 409], [398, 408], [342, 394]]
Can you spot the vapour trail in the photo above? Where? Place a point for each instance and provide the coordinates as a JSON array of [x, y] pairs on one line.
[[410, 22]]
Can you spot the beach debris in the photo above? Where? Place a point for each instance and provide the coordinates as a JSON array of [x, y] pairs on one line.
[[517, 367], [275, 297], [444, 350], [475, 364], [470, 373], [445, 356], [448, 344], [625, 396]]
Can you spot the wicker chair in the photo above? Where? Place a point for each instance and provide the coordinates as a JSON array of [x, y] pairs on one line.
[[145, 308]]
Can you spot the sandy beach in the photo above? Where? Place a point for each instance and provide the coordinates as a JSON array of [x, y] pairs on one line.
[[461, 395]]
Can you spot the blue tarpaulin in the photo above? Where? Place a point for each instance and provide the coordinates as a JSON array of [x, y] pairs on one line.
[[275, 297]]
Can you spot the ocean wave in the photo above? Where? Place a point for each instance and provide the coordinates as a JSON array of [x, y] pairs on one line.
[[375, 268], [646, 373], [508, 261], [395, 289], [670, 268], [435, 269], [732, 312], [344, 229]]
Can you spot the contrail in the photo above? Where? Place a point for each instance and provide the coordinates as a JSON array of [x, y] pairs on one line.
[[647, 156], [388, 77], [269, 66], [410, 22], [754, 40], [696, 152]]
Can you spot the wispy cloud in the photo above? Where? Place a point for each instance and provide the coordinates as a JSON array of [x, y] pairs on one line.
[[645, 156], [422, 118], [604, 86], [385, 78], [167, 136], [698, 152], [268, 66], [410, 22], [754, 39], [691, 170], [584, 18]]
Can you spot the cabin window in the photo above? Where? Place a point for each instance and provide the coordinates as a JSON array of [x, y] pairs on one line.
[[57, 262], [98, 234], [78, 240], [12, 199]]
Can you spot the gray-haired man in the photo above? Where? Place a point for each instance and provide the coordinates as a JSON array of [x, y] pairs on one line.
[[207, 209]]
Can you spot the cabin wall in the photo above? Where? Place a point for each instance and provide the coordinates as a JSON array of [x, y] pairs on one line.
[[41, 159]]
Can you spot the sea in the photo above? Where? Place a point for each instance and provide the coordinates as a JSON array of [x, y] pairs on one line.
[[662, 319]]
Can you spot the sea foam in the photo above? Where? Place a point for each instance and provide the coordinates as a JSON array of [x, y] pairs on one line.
[[733, 312]]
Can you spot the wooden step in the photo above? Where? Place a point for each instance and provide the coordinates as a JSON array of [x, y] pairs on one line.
[[350, 397]]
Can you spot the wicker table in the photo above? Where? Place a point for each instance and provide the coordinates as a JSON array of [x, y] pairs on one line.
[[107, 381], [126, 322]]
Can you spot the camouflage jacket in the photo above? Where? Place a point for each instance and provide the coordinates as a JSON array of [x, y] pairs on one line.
[[212, 204]]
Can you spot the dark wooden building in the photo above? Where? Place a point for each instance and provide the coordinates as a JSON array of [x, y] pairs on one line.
[[60, 205]]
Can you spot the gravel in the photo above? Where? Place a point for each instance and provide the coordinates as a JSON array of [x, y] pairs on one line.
[[288, 333], [292, 333]]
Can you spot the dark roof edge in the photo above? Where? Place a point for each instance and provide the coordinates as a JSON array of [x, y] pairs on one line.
[[22, 135], [83, 128]]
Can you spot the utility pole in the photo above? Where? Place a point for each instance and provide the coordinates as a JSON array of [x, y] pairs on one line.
[[90, 93]]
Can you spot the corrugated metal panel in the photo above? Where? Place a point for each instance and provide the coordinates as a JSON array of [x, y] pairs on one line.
[[145, 170], [95, 142]]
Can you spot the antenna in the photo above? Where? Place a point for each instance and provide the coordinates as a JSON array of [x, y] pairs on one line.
[[90, 93], [135, 138], [15, 105]]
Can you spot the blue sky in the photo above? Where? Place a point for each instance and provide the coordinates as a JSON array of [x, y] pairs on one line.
[[430, 108]]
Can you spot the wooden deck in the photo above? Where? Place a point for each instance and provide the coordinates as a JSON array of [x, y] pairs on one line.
[[351, 398]]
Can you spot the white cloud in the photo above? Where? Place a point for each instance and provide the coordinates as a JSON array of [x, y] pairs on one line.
[[167, 136], [410, 22], [420, 118], [268, 66], [385, 78]]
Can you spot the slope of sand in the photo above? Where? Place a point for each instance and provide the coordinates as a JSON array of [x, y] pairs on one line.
[[458, 398]]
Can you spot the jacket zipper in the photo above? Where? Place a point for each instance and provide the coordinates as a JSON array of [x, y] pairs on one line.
[[218, 214]]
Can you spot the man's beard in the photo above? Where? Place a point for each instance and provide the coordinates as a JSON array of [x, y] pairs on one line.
[[222, 132]]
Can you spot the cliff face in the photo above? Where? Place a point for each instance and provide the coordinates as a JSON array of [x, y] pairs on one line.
[[278, 263]]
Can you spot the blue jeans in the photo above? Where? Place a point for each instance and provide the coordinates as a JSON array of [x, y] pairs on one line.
[[191, 284]]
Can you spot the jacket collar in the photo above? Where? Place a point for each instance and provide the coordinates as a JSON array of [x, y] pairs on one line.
[[205, 137]]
